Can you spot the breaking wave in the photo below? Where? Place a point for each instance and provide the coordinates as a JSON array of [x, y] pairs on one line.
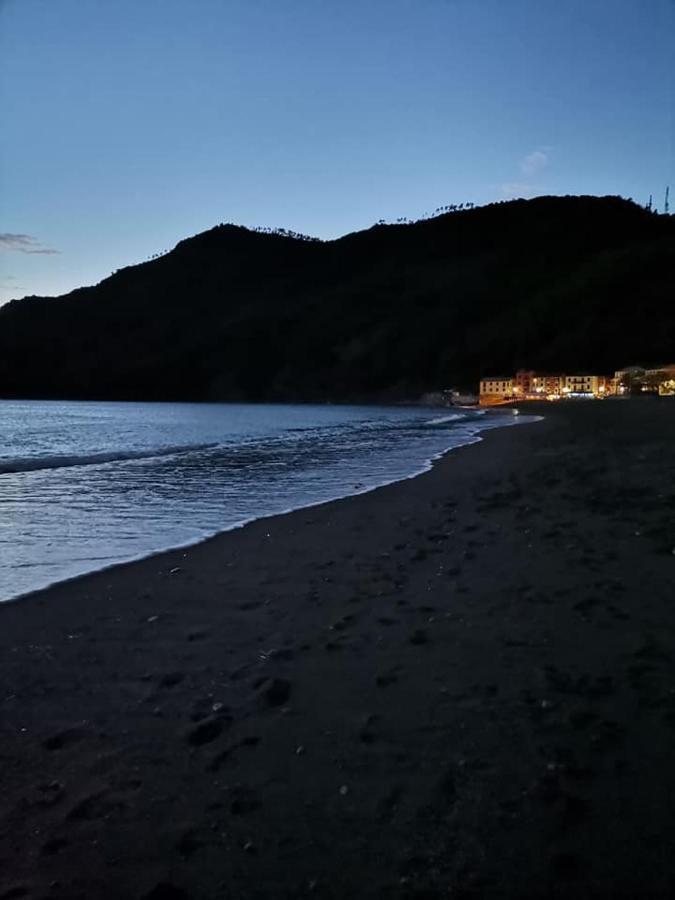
[[444, 420], [36, 463]]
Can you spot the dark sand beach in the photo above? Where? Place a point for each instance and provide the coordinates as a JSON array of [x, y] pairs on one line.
[[462, 685]]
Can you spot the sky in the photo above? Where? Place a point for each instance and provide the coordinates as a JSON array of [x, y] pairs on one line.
[[129, 125]]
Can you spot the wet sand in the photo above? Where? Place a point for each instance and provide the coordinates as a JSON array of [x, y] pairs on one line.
[[461, 686]]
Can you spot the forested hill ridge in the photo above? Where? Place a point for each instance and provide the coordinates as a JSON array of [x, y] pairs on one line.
[[572, 283]]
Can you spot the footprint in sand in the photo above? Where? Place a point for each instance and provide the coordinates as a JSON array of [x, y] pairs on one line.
[[207, 731], [419, 637], [386, 679], [64, 739], [172, 679], [54, 846], [274, 691], [166, 891], [99, 805], [567, 866], [189, 843]]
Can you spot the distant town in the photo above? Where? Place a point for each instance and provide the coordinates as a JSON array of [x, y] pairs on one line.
[[530, 385]]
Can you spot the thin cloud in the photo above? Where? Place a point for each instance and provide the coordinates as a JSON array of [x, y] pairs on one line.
[[24, 243], [516, 189], [530, 166], [534, 162]]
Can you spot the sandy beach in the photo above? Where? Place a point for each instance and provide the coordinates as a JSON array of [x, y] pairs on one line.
[[461, 685]]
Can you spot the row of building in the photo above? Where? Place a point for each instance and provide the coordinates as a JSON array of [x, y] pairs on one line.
[[529, 385]]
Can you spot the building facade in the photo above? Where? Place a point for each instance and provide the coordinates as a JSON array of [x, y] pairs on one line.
[[625, 379], [496, 389], [659, 381], [529, 385], [585, 385], [548, 385], [523, 383]]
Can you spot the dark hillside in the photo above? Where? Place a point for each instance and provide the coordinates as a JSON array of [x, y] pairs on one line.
[[575, 283]]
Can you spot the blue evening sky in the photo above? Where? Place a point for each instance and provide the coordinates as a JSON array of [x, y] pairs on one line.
[[130, 124]]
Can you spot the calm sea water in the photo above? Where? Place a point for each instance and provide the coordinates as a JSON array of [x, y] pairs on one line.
[[87, 485]]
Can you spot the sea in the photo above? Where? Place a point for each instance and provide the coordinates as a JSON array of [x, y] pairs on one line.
[[86, 485]]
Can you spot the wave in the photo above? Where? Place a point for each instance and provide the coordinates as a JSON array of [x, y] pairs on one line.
[[443, 420], [37, 463]]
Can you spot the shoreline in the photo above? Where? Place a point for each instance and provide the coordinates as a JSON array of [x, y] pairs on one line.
[[458, 684], [426, 467]]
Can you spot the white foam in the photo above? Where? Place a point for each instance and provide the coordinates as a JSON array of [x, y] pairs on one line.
[[16, 465], [443, 420], [470, 435]]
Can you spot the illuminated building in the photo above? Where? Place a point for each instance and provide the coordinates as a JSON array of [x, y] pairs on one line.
[[496, 389], [530, 385], [524, 382], [585, 385], [548, 385]]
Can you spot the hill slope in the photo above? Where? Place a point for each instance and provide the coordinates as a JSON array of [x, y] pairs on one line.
[[572, 282]]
